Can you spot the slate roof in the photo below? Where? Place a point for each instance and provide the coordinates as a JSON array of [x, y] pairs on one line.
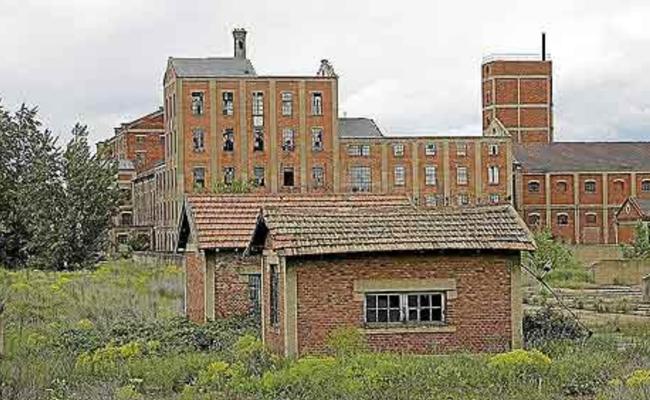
[[584, 156], [358, 128], [228, 221], [212, 67], [351, 230]]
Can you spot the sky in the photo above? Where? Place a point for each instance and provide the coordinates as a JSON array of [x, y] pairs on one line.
[[413, 66]]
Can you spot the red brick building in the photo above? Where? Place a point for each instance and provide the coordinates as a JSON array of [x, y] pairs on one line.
[[633, 212], [411, 280]]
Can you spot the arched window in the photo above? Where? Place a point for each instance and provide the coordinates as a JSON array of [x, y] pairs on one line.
[[533, 219], [591, 218], [590, 186], [645, 185], [533, 187], [561, 186], [619, 186]]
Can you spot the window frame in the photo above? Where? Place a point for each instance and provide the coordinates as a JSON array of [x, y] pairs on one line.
[[562, 183], [317, 132], [493, 175], [260, 181], [316, 106], [318, 181], [493, 150], [198, 140], [274, 295], [536, 184], [228, 133], [197, 109], [464, 175], [595, 218], [285, 170], [228, 171], [287, 103], [403, 308], [364, 184], [461, 149], [292, 146], [398, 149], [258, 138], [537, 216], [430, 149], [195, 171], [227, 105], [645, 185], [430, 175], [562, 215], [590, 182], [402, 175]]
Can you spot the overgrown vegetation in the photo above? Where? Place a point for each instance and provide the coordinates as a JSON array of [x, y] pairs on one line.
[[115, 333], [56, 203], [640, 248]]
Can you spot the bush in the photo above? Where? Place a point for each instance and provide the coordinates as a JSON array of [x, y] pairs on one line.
[[547, 325], [521, 363], [346, 342]]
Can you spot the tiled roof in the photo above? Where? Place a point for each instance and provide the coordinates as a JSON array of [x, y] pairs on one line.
[[350, 230], [228, 221], [212, 67], [643, 206], [584, 156], [358, 128]]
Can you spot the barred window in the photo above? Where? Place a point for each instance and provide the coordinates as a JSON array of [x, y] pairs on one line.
[[360, 178], [533, 219], [430, 175]]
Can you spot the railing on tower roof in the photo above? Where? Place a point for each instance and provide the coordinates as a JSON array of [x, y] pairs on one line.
[[514, 57]]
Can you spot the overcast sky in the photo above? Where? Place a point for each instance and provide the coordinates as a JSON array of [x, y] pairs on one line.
[[413, 66]]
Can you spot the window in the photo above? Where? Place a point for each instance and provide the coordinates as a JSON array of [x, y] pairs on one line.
[[317, 139], [258, 139], [645, 185], [359, 150], [404, 307], [563, 219], [126, 219], [431, 201], [493, 175], [494, 149], [254, 289], [140, 157], [197, 103], [360, 179], [461, 149], [122, 238], [228, 175], [533, 219], [288, 139], [228, 103], [590, 186], [461, 175], [258, 173], [591, 218], [562, 186], [274, 295], [619, 186], [258, 109], [316, 103], [139, 139], [533, 187], [399, 175], [197, 140], [318, 176], [199, 177], [162, 138], [228, 139], [287, 103], [287, 176], [430, 175], [494, 198], [398, 150], [430, 149], [463, 199]]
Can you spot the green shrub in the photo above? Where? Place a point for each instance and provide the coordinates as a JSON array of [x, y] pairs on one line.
[[547, 325], [346, 342]]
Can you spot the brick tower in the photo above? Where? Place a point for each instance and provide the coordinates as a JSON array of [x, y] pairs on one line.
[[517, 90]]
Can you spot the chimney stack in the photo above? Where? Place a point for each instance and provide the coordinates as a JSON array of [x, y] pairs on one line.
[[239, 36], [543, 46]]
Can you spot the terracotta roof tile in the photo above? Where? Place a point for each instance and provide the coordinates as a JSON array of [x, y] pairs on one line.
[[228, 221], [345, 230]]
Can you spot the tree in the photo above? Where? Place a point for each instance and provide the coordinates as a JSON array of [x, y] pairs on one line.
[[555, 260], [91, 196], [640, 248]]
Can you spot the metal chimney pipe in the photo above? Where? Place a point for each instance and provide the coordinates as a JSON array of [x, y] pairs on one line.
[[543, 46]]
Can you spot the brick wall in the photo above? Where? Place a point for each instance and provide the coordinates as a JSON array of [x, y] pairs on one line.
[[194, 286], [231, 280], [481, 313]]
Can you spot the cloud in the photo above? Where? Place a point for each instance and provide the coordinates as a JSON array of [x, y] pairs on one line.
[[413, 66]]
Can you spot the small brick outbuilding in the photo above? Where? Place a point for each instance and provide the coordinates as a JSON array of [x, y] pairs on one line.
[[410, 279], [633, 211]]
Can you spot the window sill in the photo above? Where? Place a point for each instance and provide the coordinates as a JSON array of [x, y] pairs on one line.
[[401, 328]]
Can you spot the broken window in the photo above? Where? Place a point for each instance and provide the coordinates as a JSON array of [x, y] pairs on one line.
[[563, 219], [645, 185], [258, 173], [461, 176], [430, 149], [258, 109], [228, 103], [398, 149], [360, 178], [430, 175], [359, 150], [463, 199], [399, 175], [140, 157], [258, 139], [533, 219], [493, 175], [228, 139], [590, 186], [287, 177], [404, 307], [316, 103], [461, 149], [317, 139], [533, 187], [288, 139], [228, 175], [199, 177], [318, 176], [274, 295], [287, 104], [197, 140], [197, 103]]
